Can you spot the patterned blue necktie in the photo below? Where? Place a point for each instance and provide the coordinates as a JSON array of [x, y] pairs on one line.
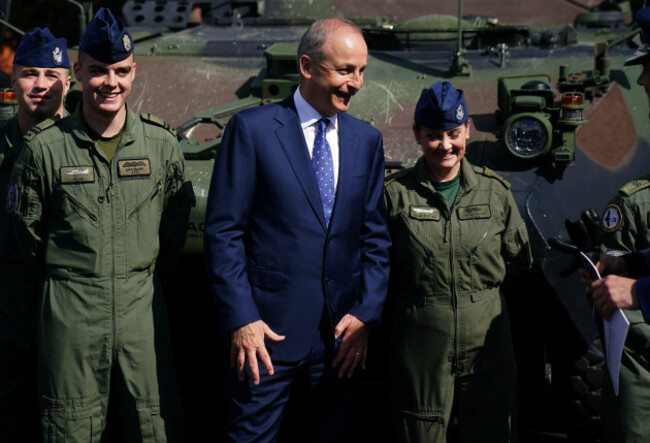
[[321, 161]]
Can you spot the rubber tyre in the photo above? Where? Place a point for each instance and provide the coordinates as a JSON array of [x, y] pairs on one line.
[[586, 421]]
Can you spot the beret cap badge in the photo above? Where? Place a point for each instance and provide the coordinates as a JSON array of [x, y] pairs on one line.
[[57, 56], [126, 41], [460, 113]]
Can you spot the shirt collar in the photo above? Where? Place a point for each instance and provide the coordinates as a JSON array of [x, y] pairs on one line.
[[308, 115]]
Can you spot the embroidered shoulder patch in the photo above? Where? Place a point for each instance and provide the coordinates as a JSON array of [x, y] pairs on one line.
[[612, 218], [12, 197]]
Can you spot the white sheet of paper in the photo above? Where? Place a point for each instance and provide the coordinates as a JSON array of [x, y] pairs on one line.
[[612, 332]]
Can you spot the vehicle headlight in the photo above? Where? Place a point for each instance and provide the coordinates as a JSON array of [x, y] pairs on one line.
[[528, 135]]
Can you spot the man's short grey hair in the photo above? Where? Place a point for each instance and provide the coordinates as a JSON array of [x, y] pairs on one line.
[[312, 41]]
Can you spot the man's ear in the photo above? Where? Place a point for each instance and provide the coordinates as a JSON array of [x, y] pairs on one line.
[[416, 133], [66, 85], [306, 66], [77, 71]]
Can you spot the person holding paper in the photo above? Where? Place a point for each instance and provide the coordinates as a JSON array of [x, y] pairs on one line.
[[618, 289], [626, 229], [456, 231]]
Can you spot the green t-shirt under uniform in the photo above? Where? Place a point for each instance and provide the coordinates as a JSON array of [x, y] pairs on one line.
[[448, 189]]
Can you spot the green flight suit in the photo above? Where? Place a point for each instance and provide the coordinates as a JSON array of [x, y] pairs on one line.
[[626, 228], [18, 397], [102, 233], [450, 339]]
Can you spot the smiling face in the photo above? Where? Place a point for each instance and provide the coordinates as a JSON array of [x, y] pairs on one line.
[[443, 150], [40, 91], [330, 83], [105, 87]]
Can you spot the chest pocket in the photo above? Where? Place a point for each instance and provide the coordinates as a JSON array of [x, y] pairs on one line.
[[75, 219], [413, 257], [480, 227], [71, 201], [481, 230]]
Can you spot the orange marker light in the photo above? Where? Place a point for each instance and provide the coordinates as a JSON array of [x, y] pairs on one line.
[[572, 100]]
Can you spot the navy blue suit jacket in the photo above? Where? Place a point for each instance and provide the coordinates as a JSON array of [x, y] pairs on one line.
[[269, 253]]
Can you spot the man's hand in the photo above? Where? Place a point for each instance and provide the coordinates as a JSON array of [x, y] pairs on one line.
[[613, 292], [354, 345], [608, 264], [247, 343], [611, 264]]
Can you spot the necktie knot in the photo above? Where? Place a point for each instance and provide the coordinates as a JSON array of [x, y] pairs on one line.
[[323, 123]]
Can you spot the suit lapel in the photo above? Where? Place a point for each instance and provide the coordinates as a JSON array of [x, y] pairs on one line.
[[292, 140], [348, 152]]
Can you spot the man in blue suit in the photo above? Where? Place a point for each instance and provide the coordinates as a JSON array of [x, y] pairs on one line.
[[297, 245]]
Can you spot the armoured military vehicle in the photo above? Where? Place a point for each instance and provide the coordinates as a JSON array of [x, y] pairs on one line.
[[553, 111]]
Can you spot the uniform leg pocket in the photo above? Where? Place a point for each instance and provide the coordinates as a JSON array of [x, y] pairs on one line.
[[64, 426]]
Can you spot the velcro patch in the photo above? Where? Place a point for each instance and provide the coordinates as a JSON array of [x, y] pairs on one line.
[[612, 218], [474, 212], [134, 167], [77, 174], [424, 213]]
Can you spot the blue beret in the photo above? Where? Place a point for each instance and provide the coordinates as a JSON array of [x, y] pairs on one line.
[[441, 107], [40, 49], [643, 52], [106, 39]]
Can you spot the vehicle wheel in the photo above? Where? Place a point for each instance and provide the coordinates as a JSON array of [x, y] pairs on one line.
[[587, 423]]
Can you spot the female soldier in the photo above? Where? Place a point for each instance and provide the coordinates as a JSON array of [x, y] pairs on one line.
[[455, 230]]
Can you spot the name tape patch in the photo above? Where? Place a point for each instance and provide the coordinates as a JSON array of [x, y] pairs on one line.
[[474, 212], [424, 213], [134, 167], [77, 174]]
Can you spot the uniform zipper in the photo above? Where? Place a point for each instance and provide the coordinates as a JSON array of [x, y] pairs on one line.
[[454, 295], [109, 191], [78, 204], [151, 195]]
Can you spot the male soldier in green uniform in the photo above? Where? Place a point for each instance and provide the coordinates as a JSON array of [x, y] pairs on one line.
[[626, 225], [100, 203], [40, 79]]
